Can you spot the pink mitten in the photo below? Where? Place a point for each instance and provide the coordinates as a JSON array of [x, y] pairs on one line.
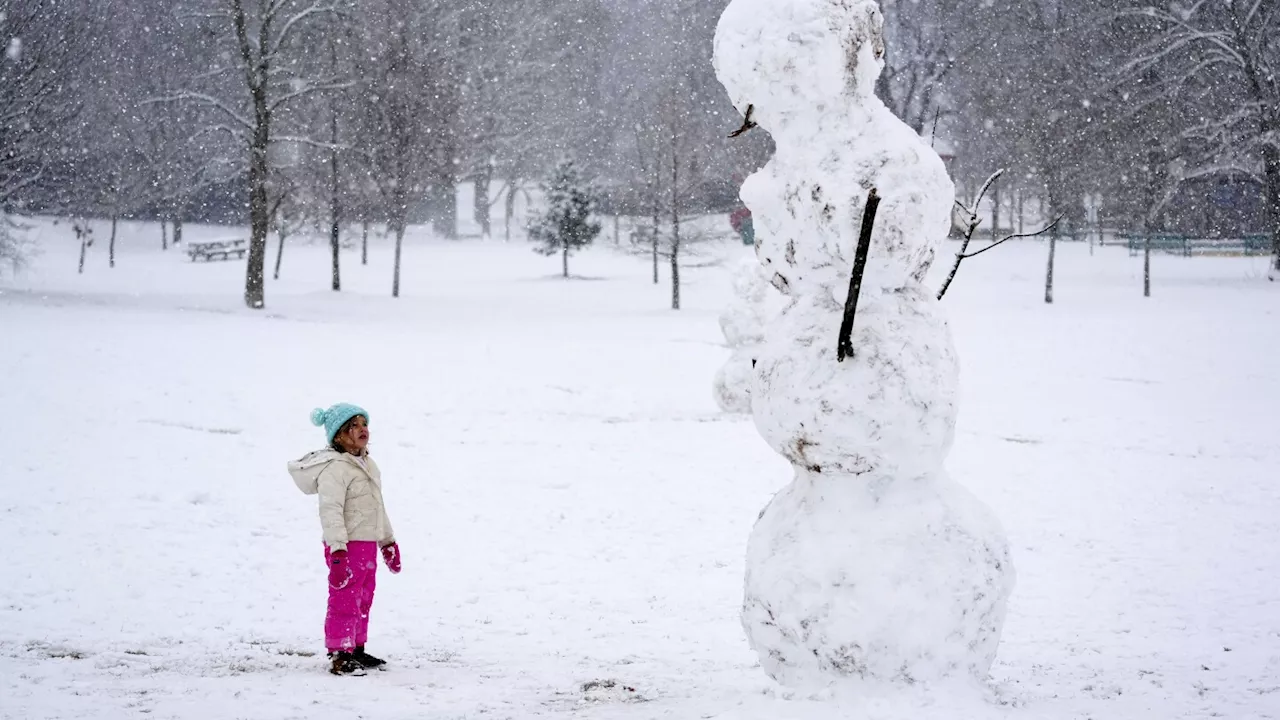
[[339, 572], [391, 556]]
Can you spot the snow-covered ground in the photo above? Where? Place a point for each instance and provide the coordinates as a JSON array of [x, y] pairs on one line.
[[572, 505]]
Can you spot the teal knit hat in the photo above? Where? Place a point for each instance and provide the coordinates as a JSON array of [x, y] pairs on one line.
[[335, 417]]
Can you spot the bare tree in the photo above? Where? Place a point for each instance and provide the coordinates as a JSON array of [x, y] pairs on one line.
[[267, 70], [671, 148], [43, 46], [926, 40], [1033, 99], [1223, 58], [663, 53], [669, 162], [508, 62], [179, 147], [403, 78]]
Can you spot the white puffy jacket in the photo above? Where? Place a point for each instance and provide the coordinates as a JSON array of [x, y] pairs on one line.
[[351, 506]]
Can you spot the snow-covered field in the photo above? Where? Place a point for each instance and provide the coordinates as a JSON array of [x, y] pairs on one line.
[[571, 504]]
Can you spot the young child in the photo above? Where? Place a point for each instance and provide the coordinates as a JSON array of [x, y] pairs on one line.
[[355, 527]]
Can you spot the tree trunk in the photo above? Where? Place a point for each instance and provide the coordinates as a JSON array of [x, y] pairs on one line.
[[1146, 266], [164, 234], [364, 243], [257, 71], [395, 282], [675, 226], [335, 246], [565, 259], [335, 201], [111, 245], [444, 204], [1048, 278], [655, 256], [617, 230], [510, 206], [1271, 163], [480, 202], [177, 230], [83, 246], [1021, 197], [995, 211], [282, 233], [675, 268], [656, 210], [259, 211]]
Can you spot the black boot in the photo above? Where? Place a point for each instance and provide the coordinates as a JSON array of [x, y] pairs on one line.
[[344, 663], [365, 659]]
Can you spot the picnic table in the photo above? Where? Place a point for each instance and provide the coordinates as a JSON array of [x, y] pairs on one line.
[[217, 249]]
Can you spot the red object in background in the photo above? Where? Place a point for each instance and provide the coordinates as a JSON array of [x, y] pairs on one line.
[[737, 216]]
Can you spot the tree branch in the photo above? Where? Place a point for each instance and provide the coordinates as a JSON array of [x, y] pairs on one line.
[[208, 100], [321, 86], [1015, 236], [318, 144], [971, 226]]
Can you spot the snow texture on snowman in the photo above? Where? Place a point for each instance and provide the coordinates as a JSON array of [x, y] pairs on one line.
[[742, 323], [871, 565]]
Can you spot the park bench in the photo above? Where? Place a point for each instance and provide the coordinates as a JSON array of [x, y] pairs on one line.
[[1188, 245], [217, 249]]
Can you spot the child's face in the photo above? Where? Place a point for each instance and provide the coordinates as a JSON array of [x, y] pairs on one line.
[[355, 436]]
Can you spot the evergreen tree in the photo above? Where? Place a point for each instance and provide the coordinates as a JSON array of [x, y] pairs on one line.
[[566, 226]]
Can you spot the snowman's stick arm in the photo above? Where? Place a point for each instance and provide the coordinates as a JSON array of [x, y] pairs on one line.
[[1041, 231], [971, 225], [844, 344]]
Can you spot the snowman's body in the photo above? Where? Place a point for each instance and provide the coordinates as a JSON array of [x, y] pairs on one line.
[[743, 326], [871, 564]]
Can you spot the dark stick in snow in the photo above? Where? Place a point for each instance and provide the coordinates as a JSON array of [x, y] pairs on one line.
[[747, 123], [844, 345]]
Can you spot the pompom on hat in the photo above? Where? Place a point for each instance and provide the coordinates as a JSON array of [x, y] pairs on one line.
[[335, 417]]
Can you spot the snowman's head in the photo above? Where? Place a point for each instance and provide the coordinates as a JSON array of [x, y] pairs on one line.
[[800, 55]]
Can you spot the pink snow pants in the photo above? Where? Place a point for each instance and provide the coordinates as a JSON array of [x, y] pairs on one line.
[[346, 624]]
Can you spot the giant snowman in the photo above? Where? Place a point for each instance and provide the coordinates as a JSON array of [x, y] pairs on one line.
[[871, 564]]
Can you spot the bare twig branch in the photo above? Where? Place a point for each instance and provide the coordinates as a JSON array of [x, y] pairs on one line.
[[1041, 231], [312, 143], [983, 192], [282, 37], [207, 100], [971, 226], [314, 87]]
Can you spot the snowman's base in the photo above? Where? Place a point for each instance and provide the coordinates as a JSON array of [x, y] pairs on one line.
[[892, 582], [875, 701]]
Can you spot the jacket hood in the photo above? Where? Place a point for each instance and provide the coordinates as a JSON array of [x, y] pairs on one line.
[[306, 470]]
